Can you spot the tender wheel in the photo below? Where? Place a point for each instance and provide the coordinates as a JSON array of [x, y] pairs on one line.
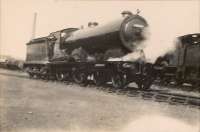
[[178, 82], [99, 78], [44, 73], [118, 81], [37, 76], [80, 78], [44, 77], [31, 75], [196, 85]]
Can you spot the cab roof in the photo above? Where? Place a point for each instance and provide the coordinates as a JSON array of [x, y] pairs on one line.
[[190, 38]]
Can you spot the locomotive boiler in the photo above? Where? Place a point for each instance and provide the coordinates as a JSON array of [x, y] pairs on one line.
[[123, 35], [114, 39]]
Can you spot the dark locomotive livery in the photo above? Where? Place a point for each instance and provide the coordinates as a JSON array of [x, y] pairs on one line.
[[81, 54], [183, 64]]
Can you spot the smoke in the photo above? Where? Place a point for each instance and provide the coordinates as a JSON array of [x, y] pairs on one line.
[[138, 50], [138, 54], [156, 44]]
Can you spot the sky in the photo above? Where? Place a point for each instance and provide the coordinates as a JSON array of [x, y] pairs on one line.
[[167, 19]]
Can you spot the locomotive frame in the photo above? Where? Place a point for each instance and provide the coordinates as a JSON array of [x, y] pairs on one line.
[[120, 73]]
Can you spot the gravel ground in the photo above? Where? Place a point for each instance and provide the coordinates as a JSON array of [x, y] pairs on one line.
[[28, 105]]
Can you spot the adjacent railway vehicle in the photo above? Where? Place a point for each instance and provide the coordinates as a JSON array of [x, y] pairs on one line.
[[66, 54], [183, 64], [11, 64]]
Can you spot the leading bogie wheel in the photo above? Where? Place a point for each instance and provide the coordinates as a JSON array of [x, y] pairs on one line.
[[31, 75], [80, 78], [118, 81]]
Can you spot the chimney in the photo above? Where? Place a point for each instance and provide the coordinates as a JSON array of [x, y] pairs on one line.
[[126, 13], [34, 26]]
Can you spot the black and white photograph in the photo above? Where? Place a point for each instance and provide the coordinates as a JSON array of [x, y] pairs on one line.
[[99, 65]]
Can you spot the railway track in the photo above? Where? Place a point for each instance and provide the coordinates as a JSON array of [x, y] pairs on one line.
[[151, 94], [155, 95], [169, 97]]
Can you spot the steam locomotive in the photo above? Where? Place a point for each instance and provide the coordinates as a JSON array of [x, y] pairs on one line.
[[183, 64], [81, 55]]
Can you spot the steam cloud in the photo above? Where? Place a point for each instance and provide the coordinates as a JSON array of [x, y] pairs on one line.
[[156, 44]]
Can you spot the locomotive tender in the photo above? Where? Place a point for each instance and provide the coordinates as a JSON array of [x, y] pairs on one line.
[[64, 54]]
